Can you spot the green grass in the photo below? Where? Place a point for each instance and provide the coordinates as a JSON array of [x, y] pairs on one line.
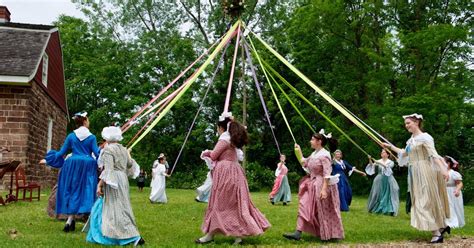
[[178, 224]]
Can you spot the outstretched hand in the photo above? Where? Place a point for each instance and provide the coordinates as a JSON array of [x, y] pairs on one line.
[[386, 145]]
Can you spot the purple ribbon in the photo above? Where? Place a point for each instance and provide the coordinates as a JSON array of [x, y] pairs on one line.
[[252, 67]]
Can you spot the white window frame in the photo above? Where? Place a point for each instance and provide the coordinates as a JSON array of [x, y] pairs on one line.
[[44, 75], [50, 134]]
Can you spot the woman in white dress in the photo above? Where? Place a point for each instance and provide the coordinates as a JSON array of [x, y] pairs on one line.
[[158, 183], [456, 204]]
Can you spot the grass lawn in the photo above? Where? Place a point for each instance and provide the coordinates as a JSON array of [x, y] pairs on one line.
[[178, 224]]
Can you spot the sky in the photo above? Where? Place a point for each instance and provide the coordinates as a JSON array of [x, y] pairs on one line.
[[39, 11]]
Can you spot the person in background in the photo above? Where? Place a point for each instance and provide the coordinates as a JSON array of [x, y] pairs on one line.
[[383, 197], [281, 188], [345, 170], [456, 204]]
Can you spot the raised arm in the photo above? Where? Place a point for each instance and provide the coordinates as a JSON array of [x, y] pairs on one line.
[[393, 148]]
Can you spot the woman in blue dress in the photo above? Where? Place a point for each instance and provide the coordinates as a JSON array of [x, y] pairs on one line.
[[77, 182], [345, 170]]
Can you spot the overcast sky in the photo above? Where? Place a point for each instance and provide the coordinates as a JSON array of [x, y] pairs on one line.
[[39, 11]]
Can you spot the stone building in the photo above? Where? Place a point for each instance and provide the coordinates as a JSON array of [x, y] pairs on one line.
[[33, 107]]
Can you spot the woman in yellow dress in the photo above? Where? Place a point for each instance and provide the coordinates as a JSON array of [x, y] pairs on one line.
[[430, 207]]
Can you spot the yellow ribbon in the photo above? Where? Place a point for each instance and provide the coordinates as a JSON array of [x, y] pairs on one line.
[[319, 91], [313, 106], [191, 80]]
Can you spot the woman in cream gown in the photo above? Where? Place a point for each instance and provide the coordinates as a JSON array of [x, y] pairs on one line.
[[430, 207]]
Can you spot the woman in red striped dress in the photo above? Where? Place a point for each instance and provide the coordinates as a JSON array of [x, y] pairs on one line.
[[230, 211]]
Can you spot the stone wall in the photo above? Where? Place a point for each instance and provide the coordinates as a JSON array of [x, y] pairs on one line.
[[24, 118]]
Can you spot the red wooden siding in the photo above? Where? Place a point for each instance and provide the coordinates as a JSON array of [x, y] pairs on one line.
[[55, 88]]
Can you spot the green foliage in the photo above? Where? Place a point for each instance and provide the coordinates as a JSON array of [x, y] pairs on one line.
[[380, 59], [258, 177]]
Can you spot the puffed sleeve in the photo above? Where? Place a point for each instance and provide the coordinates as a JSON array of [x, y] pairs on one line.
[[437, 161], [134, 169], [327, 166], [456, 176], [108, 174], [370, 169], [56, 158], [387, 171]]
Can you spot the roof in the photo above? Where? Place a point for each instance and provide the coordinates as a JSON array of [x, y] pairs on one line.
[[21, 47]]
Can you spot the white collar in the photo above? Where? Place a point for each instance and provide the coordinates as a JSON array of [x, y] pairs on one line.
[[225, 136], [82, 133], [321, 153]]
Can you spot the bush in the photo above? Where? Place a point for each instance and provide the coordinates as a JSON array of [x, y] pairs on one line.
[[259, 177], [186, 180], [468, 189]]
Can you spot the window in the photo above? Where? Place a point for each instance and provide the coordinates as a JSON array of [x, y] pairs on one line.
[[50, 134], [44, 77]]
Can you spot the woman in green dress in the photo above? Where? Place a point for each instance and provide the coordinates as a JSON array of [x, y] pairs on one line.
[[383, 198]]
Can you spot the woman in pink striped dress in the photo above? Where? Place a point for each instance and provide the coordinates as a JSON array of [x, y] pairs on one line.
[[230, 211], [318, 212]]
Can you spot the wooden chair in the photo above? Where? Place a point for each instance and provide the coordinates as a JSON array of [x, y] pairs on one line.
[[22, 184]]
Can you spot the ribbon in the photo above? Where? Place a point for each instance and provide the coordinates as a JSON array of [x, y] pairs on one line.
[[128, 124], [200, 108], [257, 85], [273, 91], [318, 90], [229, 87], [313, 106], [191, 80]]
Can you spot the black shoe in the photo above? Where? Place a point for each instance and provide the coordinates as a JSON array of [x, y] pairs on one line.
[[273, 203], [141, 241], [72, 228], [446, 229], [67, 228], [292, 236], [284, 203], [438, 240]]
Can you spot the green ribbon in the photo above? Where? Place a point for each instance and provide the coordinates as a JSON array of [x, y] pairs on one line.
[[319, 91], [273, 91], [312, 105]]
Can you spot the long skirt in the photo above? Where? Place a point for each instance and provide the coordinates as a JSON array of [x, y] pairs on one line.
[[230, 211], [316, 216], [95, 235], [284, 192], [383, 198]]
